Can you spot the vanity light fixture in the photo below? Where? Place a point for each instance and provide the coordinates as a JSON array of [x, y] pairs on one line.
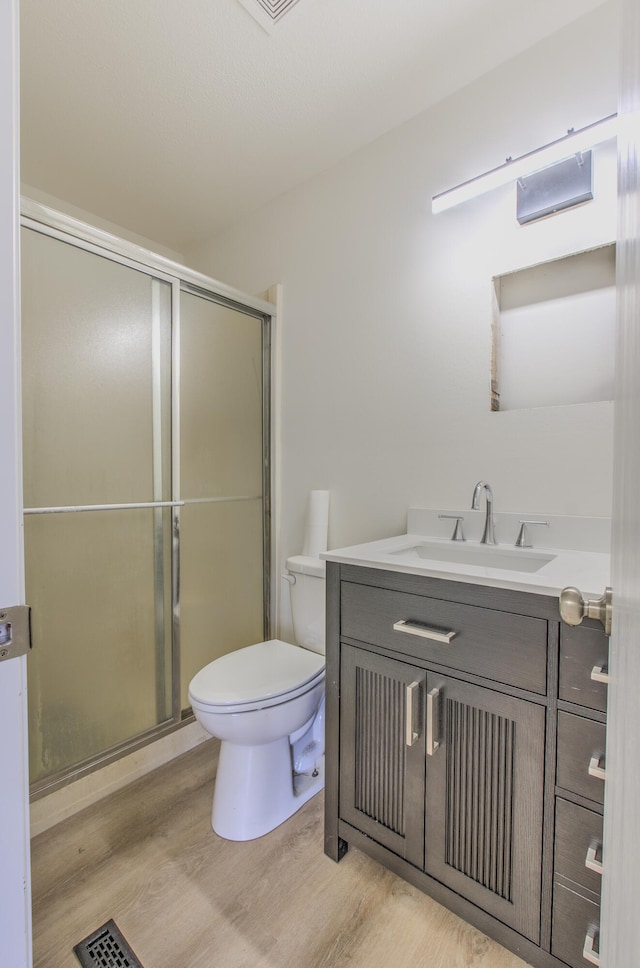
[[572, 143], [555, 188]]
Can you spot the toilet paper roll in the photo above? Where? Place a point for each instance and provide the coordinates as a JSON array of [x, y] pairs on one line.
[[317, 526]]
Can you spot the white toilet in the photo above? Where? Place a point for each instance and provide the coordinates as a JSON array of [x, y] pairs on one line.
[[265, 703]]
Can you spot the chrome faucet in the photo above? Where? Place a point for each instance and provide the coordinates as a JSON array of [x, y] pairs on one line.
[[488, 536]]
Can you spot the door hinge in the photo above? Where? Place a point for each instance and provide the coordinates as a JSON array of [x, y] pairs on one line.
[[15, 631]]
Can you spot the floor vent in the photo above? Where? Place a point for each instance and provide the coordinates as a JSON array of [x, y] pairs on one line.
[[106, 948]]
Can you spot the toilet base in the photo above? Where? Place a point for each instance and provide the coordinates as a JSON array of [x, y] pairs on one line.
[[256, 790]]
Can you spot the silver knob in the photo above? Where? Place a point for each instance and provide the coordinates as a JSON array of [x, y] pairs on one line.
[[523, 540], [573, 607], [458, 534]]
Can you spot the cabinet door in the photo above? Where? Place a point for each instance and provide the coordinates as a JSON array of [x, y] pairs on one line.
[[382, 768], [484, 792]]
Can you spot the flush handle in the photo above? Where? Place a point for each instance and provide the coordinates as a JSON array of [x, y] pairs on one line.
[[573, 607]]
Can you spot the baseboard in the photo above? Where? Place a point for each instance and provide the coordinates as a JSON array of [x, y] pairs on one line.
[[63, 803]]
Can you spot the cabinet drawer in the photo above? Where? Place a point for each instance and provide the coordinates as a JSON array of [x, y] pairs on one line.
[[578, 832], [580, 741], [502, 646], [574, 920], [582, 649]]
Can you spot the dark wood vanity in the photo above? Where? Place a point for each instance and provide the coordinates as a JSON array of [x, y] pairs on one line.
[[465, 751]]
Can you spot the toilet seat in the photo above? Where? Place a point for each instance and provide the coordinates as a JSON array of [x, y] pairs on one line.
[[255, 677]]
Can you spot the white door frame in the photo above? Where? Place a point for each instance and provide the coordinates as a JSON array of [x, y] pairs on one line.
[[620, 900], [620, 944], [15, 909]]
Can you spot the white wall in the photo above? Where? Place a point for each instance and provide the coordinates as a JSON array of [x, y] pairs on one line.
[[569, 304], [387, 309]]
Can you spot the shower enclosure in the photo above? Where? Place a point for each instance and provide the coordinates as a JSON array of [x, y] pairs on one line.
[[146, 489]]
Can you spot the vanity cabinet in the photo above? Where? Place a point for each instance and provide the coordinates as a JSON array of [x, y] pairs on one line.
[[576, 896], [443, 720], [484, 801], [439, 771], [580, 780]]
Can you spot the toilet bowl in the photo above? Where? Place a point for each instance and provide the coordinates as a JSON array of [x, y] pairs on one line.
[[265, 702]]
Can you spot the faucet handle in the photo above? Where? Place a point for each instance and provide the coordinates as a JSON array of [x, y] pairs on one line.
[[458, 534], [523, 540]]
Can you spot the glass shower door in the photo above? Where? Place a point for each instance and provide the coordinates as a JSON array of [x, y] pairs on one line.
[[97, 482], [222, 482], [146, 482]]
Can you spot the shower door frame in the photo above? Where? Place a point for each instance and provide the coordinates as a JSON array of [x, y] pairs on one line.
[[56, 225]]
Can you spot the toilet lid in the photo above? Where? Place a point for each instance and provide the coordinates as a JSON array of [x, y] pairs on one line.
[[259, 671]]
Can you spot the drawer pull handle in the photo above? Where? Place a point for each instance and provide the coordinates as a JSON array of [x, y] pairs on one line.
[[596, 769], [591, 862], [413, 692], [416, 628], [589, 952], [600, 674], [433, 717]]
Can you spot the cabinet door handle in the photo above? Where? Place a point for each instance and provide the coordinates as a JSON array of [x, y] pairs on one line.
[[413, 692], [433, 718], [600, 674], [596, 769], [589, 952], [417, 628], [591, 861]]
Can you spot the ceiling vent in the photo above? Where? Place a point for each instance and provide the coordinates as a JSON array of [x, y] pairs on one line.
[[268, 12]]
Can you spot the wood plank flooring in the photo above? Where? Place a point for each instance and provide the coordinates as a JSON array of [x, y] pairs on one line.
[[184, 898]]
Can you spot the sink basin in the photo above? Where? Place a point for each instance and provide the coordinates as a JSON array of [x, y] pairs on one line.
[[482, 556]]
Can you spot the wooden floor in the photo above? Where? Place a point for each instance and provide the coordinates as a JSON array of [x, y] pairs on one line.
[[184, 898]]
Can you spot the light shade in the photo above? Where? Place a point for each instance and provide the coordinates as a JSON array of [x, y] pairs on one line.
[[514, 168]]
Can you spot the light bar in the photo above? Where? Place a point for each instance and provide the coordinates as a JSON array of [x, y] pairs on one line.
[[571, 144]]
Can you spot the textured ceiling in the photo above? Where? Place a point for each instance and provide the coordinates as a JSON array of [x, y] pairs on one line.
[[173, 119]]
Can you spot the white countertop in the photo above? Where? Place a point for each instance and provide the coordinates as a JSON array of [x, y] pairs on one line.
[[589, 571]]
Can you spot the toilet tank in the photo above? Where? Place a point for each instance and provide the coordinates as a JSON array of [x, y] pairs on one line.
[[308, 601]]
